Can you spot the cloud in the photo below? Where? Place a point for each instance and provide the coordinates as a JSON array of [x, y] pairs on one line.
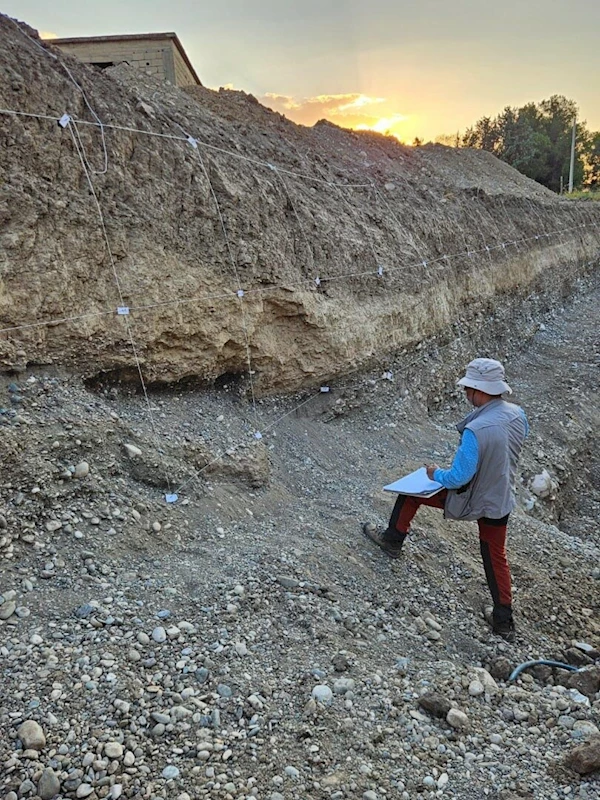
[[312, 107], [352, 110], [48, 35]]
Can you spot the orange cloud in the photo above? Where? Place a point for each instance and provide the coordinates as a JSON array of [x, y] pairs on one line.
[[352, 110]]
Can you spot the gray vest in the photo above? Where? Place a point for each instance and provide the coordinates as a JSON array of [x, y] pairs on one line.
[[500, 429]]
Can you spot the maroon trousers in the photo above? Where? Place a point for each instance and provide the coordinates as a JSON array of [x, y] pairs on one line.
[[492, 543]]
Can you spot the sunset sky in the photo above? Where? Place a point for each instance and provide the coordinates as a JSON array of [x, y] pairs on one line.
[[420, 68]]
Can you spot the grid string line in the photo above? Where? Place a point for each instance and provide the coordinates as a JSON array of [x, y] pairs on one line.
[[232, 153], [230, 295], [119, 290], [240, 291], [303, 233], [79, 88]]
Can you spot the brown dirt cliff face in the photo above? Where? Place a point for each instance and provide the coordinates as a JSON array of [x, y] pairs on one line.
[[178, 272]]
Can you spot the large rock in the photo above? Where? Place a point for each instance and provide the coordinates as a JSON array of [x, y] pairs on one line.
[[31, 735], [587, 681], [577, 657], [542, 485], [501, 669], [435, 704], [487, 681], [586, 757], [7, 609], [457, 718], [48, 784]]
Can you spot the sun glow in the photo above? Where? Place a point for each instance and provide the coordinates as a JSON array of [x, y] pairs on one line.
[[360, 102], [391, 126]]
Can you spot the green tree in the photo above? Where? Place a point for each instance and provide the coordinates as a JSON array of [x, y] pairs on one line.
[[483, 135], [592, 162], [558, 115], [521, 141], [536, 140]]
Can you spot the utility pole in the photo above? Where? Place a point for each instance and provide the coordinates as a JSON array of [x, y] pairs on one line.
[[572, 167]]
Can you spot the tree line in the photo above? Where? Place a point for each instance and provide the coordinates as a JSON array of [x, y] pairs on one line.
[[536, 140]]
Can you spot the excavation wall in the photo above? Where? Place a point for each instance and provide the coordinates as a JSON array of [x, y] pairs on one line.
[[344, 245]]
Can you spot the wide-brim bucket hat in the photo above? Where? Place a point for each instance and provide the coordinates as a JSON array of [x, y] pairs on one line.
[[486, 375]]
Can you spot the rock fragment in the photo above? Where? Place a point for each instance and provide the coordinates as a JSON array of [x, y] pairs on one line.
[[586, 682], [542, 485], [113, 750], [7, 609], [48, 784], [457, 719], [82, 470], [435, 704], [31, 735], [322, 694], [586, 757]]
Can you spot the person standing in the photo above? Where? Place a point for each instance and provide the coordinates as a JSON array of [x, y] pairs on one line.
[[478, 486]]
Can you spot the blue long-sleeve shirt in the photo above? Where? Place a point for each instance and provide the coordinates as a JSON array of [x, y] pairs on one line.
[[464, 465]]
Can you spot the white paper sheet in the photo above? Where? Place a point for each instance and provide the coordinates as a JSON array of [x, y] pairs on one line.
[[417, 483]]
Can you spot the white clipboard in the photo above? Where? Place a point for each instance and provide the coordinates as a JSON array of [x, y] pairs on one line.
[[416, 483]]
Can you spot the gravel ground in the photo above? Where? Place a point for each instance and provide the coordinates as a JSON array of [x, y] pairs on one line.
[[246, 641]]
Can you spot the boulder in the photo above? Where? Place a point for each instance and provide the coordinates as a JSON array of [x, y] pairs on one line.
[[585, 758], [31, 735], [435, 704], [587, 681]]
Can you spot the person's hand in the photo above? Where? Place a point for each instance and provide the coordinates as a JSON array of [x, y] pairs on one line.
[[431, 468]]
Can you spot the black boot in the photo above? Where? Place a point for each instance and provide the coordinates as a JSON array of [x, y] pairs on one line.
[[389, 540], [502, 623]]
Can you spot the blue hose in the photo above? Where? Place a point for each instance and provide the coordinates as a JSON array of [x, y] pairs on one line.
[[516, 672]]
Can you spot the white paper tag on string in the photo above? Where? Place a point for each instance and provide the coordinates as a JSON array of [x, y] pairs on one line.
[[123, 311], [380, 272], [171, 498], [318, 281], [64, 120], [425, 264], [273, 167], [258, 435], [240, 293], [193, 142], [324, 389]]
